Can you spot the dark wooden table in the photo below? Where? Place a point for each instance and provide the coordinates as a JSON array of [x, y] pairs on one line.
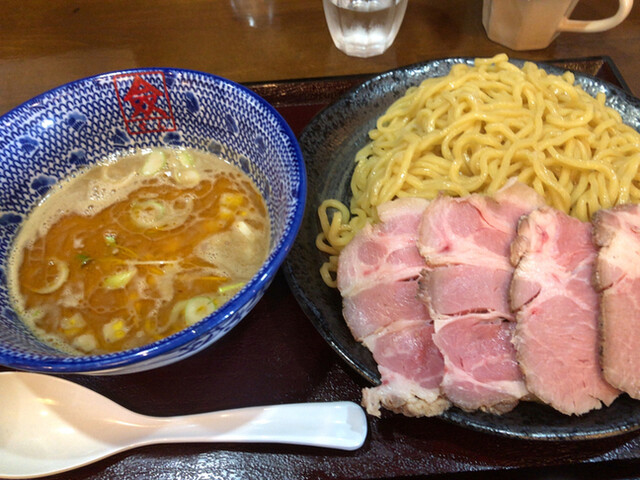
[[45, 43], [276, 356]]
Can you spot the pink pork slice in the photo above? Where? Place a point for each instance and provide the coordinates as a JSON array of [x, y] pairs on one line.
[[379, 268], [556, 337], [617, 233], [410, 368], [466, 244], [377, 277], [481, 371]]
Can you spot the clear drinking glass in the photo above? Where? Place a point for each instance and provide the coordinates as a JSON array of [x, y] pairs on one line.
[[364, 28]]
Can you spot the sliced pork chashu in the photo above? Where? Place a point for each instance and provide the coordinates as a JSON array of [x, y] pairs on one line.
[[378, 279], [617, 276], [556, 305], [466, 244]]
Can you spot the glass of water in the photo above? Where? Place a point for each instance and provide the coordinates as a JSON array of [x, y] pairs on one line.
[[364, 28]]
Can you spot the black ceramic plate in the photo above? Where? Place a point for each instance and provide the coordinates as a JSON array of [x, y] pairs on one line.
[[329, 144]]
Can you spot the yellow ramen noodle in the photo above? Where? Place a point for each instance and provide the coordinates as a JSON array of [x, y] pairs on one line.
[[135, 250], [477, 127]]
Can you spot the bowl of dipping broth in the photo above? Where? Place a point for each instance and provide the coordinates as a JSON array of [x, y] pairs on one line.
[[143, 214]]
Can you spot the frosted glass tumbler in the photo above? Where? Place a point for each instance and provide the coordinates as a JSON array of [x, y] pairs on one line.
[[364, 28]]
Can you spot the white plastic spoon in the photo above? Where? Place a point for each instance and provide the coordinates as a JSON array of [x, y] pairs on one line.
[[50, 425]]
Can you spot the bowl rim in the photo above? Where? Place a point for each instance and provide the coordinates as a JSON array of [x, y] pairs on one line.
[[259, 282]]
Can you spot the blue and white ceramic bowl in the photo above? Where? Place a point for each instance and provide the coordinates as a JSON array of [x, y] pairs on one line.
[[78, 124]]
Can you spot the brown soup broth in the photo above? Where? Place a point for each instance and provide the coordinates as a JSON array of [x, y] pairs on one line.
[[134, 251]]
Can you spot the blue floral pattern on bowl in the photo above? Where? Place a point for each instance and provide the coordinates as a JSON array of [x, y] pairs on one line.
[[61, 132]]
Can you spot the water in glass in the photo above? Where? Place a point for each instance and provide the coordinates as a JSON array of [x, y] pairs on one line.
[[364, 28]]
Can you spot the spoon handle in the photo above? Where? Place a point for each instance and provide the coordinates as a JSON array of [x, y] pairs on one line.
[[340, 425]]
